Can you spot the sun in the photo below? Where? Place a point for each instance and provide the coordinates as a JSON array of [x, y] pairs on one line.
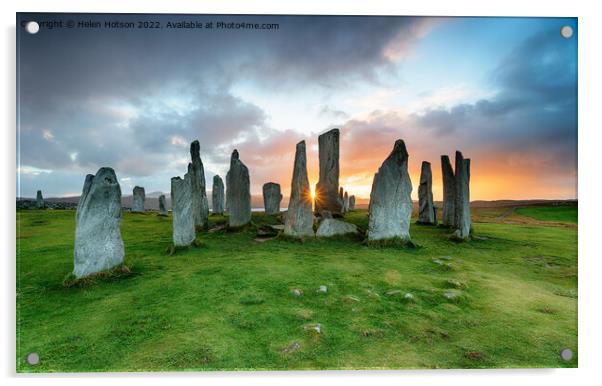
[[312, 192]]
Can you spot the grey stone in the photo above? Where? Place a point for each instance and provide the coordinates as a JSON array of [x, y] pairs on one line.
[[325, 214], [162, 207], [352, 202], [426, 212], [291, 348], [238, 194], [390, 206], [98, 243], [317, 327], [332, 227], [183, 229], [39, 200], [299, 218], [408, 296], [138, 199], [449, 192], [217, 195], [323, 289], [200, 204], [327, 188], [341, 199], [345, 203], [297, 292], [271, 198], [462, 204]]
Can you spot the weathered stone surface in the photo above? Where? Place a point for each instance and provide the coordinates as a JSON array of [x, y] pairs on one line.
[[162, 207], [352, 202], [271, 198], [331, 227], [345, 203], [299, 218], [390, 206], [341, 199], [217, 195], [183, 228], [462, 206], [327, 187], [138, 199], [98, 243], [200, 204], [238, 192], [39, 200], [449, 192], [426, 213]]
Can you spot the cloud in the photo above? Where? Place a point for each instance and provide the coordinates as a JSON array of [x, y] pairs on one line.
[[525, 135], [134, 99]]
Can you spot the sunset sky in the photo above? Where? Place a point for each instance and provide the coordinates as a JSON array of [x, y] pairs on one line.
[[501, 90]]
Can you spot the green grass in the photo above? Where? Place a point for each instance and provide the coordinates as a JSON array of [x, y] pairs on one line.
[[228, 304], [565, 213]]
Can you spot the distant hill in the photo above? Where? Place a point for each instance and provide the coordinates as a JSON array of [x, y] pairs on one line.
[[152, 201]]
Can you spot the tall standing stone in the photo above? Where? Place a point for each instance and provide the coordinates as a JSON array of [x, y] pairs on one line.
[[138, 199], [449, 192], [462, 206], [271, 198], [200, 204], [98, 243], [39, 200], [299, 219], [238, 192], [183, 228], [426, 212], [345, 202], [327, 187], [162, 206], [341, 199], [390, 206], [352, 202], [217, 195]]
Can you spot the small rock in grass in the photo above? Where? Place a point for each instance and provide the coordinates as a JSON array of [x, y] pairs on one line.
[[452, 295], [314, 327], [408, 296], [323, 289], [294, 346], [297, 292]]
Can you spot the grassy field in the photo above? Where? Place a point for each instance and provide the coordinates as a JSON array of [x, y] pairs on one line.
[[508, 298]]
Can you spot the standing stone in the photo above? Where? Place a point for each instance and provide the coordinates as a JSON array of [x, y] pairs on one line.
[[162, 207], [390, 206], [217, 195], [341, 199], [345, 203], [271, 198], [327, 187], [238, 194], [98, 243], [39, 200], [462, 206], [138, 199], [299, 219], [449, 192], [181, 207], [426, 214], [352, 202], [200, 204]]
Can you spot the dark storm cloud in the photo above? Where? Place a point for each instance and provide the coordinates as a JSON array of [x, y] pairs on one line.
[[118, 97]]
